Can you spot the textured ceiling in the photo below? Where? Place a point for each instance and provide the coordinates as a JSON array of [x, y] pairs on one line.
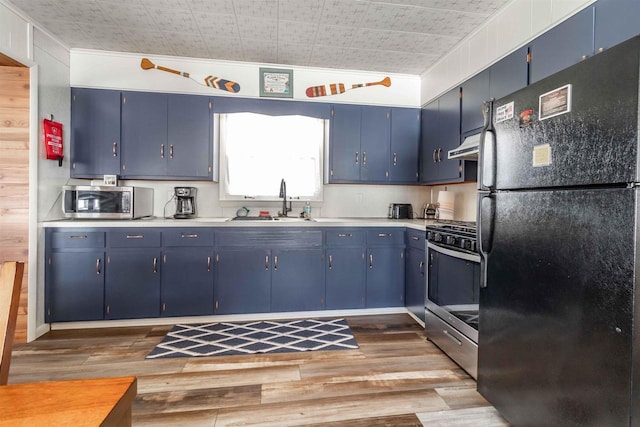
[[394, 36]]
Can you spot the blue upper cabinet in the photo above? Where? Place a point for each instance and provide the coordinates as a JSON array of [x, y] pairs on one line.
[[440, 132], [144, 135], [429, 128], [95, 133], [374, 143], [509, 74], [615, 22], [345, 143], [166, 136], [474, 92], [562, 46], [405, 141], [189, 128]]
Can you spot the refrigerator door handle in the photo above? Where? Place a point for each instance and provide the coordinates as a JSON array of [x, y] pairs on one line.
[[486, 221], [487, 149]]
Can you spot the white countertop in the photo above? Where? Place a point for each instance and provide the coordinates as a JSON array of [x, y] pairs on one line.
[[417, 224]]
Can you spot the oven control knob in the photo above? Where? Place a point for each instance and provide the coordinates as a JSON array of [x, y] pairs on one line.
[[472, 245], [437, 237], [451, 240]]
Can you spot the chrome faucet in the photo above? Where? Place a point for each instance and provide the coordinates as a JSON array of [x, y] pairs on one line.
[[283, 194]]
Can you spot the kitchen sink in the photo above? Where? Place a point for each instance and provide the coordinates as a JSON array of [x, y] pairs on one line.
[[270, 219]]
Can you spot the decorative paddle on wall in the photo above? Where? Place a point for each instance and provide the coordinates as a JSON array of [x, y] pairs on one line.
[[338, 88], [210, 81]]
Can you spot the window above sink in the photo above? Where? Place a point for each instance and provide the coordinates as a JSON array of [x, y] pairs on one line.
[[258, 151]]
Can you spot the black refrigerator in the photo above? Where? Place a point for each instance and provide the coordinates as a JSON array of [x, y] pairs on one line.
[[558, 232]]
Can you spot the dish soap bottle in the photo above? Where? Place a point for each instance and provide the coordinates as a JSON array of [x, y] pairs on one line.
[[307, 210]]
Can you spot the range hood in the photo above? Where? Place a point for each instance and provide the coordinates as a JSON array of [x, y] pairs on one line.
[[468, 150]]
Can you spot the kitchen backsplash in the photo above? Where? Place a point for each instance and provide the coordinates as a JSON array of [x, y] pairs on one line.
[[340, 200], [465, 199]]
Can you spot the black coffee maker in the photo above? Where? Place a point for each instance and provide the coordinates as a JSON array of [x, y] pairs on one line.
[[185, 202]]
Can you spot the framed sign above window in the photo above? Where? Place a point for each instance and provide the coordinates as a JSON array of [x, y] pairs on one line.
[[276, 83]]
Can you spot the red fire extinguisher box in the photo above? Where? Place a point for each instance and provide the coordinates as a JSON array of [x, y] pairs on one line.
[[52, 132]]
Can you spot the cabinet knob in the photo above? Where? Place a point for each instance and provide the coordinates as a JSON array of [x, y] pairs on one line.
[[433, 156], [162, 151], [356, 157], [155, 264], [370, 260], [364, 157], [330, 262], [395, 159], [171, 151], [115, 149]]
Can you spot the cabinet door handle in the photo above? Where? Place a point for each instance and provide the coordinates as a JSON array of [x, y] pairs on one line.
[[384, 234], [162, 151], [266, 262], [415, 238], [77, 237], [189, 236], [439, 153], [275, 262], [155, 264], [98, 266], [344, 234], [330, 262], [422, 268], [135, 236], [357, 158], [433, 156], [395, 159], [370, 260], [115, 149], [208, 263], [171, 151], [364, 157]]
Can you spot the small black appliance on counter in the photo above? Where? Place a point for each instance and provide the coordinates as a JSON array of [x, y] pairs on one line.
[[185, 202], [400, 211]]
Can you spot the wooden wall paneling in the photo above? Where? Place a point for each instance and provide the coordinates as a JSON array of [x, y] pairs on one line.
[[14, 176]]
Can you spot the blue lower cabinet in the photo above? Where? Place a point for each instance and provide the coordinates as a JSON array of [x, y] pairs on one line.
[[75, 286], [296, 280], [344, 272], [243, 281], [187, 281], [132, 283], [385, 277], [415, 284]]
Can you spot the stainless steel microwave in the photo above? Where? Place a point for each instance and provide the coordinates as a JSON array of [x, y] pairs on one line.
[[98, 202]]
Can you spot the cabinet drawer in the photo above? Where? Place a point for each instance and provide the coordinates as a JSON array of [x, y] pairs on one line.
[[345, 237], [274, 237], [77, 239], [385, 237], [133, 238], [416, 239], [187, 237], [458, 347]]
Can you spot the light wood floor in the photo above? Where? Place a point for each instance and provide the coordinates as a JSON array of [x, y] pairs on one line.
[[395, 378]]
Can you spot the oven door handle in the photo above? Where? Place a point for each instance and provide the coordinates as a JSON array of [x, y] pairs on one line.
[[453, 253]]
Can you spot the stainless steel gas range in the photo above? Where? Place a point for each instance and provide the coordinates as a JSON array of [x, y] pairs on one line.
[[453, 287]]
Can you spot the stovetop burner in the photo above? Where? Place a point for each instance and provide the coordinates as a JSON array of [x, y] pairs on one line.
[[460, 235]]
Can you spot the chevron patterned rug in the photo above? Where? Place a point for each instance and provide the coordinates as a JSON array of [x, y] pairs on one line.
[[223, 339]]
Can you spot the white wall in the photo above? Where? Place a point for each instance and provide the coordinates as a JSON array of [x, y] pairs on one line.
[[53, 98], [465, 199], [519, 22], [53, 92], [109, 70]]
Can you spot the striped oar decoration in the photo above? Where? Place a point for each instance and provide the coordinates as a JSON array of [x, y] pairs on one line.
[[209, 81], [338, 88]]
